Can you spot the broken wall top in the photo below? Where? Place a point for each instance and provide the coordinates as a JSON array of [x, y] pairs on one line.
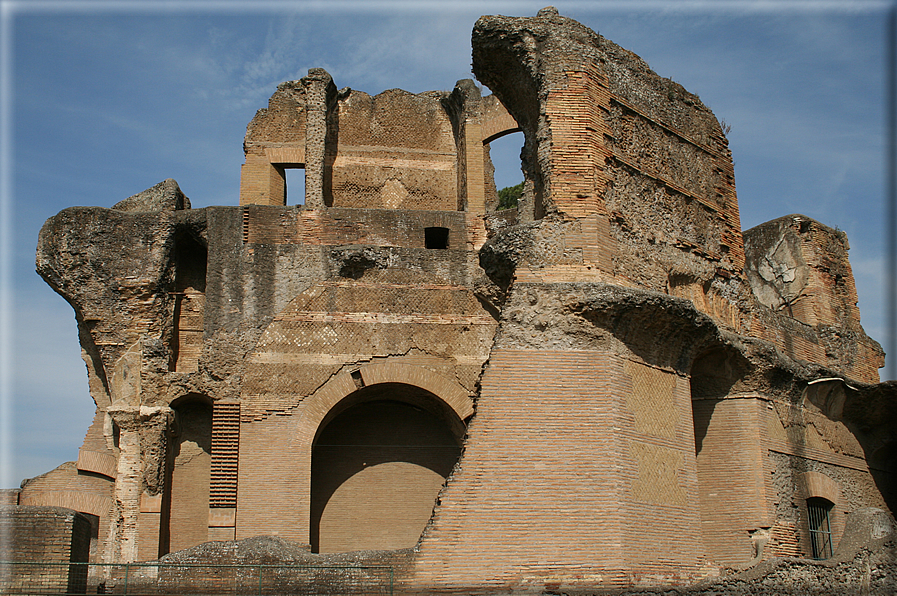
[[628, 177], [597, 121], [394, 150], [628, 182]]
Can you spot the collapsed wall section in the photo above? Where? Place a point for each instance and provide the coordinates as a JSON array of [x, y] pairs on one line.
[[801, 277], [395, 150], [290, 300], [579, 467], [638, 168]]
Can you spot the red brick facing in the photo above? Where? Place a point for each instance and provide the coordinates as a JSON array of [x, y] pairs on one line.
[[543, 491]]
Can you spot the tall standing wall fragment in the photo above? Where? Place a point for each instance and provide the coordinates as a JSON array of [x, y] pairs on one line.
[[608, 386]]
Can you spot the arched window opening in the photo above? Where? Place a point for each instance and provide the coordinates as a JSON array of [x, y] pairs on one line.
[[819, 518], [294, 177], [503, 155], [190, 263], [186, 499], [378, 464]]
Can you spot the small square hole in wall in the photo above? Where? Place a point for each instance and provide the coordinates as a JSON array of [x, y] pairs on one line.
[[436, 237]]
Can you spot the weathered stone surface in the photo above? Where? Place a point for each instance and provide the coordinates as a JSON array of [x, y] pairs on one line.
[[611, 352], [165, 196]]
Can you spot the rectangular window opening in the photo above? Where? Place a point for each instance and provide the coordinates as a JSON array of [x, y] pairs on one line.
[[295, 181], [436, 237], [818, 511]]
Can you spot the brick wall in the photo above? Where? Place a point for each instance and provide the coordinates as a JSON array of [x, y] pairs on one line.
[[396, 150], [376, 471], [44, 535], [420, 320], [571, 475], [188, 485], [810, 455], [575, 113], [261, 182], [67, 487], [9, 497], [274, 481], [335, 226], [729, 443], [798, 269]]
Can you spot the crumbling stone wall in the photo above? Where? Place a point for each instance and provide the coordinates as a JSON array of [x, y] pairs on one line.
[[798, 267], [632, 393], [396, 151], [642, 175]]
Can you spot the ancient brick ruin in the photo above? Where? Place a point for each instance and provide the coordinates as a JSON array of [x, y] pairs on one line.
[[610, 386]]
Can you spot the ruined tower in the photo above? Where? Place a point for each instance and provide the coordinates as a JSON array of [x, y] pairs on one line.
[[610, 385]]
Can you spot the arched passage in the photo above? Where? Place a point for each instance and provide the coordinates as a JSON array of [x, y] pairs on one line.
[[379, 459], [504, 151], [186, 498]]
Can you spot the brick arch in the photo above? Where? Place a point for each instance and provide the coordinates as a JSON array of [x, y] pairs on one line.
[[303, 364], [816, 484], [79, 500], [318, 405], [380, 493], [287, 510], [498, 126]]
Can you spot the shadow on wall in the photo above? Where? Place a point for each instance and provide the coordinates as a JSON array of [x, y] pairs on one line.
[[186, 501], [377, 468], [713, 374], [870, 415]]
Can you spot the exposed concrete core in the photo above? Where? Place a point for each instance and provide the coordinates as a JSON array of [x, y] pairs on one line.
[[320, 92], [609, 387]]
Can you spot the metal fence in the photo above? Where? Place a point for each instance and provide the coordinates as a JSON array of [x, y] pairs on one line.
[[157, 579]]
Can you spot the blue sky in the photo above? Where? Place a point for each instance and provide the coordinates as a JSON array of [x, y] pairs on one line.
[[104, 99]]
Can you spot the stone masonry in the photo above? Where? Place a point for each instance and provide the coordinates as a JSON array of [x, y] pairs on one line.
[[610, 387]]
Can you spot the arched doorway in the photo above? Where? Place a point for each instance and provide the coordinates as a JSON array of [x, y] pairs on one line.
[[185, 520], [504, 151], [378, 462]]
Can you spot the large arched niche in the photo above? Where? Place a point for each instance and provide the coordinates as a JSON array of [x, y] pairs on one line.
[[379, 459], [436, 403]]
